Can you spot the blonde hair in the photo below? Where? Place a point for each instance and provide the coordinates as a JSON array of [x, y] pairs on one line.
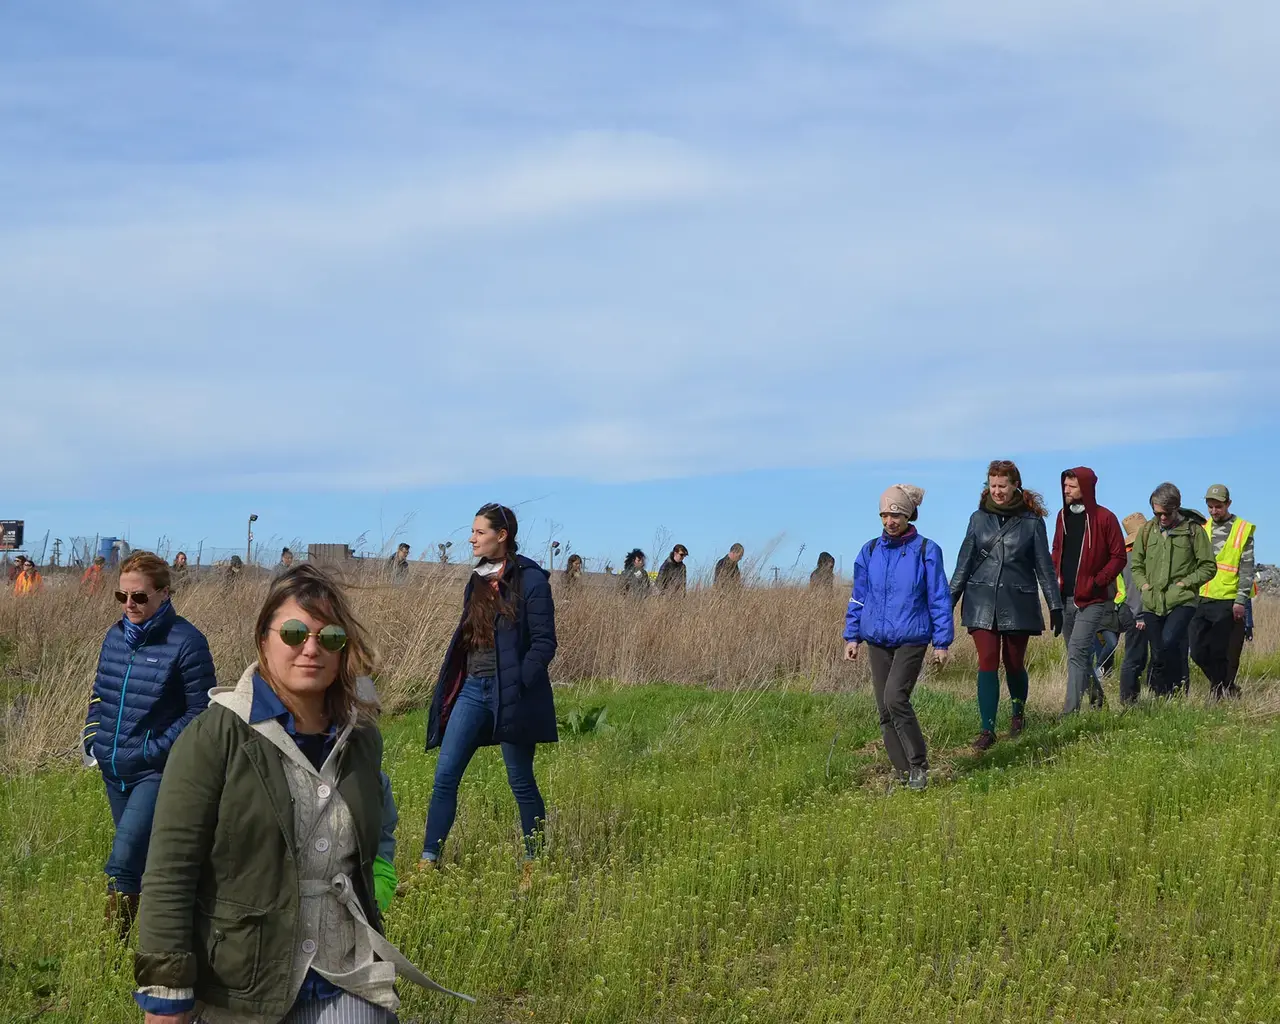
[[153, 567], [322, 596]]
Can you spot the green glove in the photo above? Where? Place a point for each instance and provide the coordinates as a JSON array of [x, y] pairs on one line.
[[384, 882]]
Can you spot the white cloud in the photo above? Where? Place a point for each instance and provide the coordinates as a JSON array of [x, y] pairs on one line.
[[714, 266], [194, 248]]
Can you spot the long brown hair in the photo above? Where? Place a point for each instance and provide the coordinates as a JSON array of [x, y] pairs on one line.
[[1009, 470], [488, 602], [320, 595]]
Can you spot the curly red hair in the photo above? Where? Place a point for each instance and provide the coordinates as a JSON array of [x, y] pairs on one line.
[[1009, 470]]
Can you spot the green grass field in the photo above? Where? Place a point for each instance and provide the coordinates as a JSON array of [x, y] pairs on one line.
[[742, 857]]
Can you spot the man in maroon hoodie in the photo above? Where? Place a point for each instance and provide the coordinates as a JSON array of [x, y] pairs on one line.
[[1088, 554]]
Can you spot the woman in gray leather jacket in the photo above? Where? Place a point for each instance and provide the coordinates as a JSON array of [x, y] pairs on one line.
[[1003, 566]]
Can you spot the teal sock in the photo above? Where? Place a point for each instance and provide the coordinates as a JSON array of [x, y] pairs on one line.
[[988, 698], [1019, 684]]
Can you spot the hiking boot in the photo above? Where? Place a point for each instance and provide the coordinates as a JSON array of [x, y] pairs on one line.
[[918, 780], [526, 876], [1016, 724], [985, 741]]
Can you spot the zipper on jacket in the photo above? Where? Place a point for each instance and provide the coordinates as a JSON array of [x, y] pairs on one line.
[[115, 742], [497, 680]]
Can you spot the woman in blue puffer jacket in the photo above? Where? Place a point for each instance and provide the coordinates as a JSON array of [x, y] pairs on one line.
[[154, 676], [901, 603]]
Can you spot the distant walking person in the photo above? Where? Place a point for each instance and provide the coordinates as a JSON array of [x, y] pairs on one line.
[[398, 564], [91, 581], [1004, 556], [571, 576], [1129, 601], [1218, 626], [728, 574], [1088, 556], [672, 576], [154, 676], [284, 565], [1172, 560], [178, 572], [29, 580], [901, 604], [823, 576], [494, 686], [633, 580]]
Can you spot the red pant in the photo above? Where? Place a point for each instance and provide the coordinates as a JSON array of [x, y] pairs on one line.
[[991, 642]]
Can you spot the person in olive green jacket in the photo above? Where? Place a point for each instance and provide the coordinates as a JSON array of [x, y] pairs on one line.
[[1172, 559], [259, 898]]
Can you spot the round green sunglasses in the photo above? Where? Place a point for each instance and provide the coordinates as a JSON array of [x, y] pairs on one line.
[[331, 637]]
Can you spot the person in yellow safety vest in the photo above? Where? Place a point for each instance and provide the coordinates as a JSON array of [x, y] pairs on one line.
[[1219, 621]]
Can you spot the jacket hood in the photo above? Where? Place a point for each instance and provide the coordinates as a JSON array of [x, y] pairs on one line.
[[1192, 515], [239, 698], [1088, 481]]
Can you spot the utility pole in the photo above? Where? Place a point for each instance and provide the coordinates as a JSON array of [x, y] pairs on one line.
[[57, 552], [248, 545]]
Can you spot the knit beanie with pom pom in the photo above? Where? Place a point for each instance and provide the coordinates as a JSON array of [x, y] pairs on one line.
[[902, 500]]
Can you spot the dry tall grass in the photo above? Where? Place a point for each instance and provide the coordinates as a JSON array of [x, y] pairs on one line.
[[775, 636]]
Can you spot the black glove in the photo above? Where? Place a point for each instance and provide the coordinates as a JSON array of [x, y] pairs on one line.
[[1055, 620]]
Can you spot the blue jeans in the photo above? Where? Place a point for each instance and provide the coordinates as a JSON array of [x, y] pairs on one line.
[[133, 805], [1104, 649], [470, 725]]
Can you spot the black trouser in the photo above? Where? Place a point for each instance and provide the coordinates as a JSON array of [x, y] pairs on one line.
[[1234, 651], [1210, 636], [1134, 664], [1167, 635], [894, 671]]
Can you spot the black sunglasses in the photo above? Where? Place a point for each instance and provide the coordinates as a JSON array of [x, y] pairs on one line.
[[138, 597], [332, 638]]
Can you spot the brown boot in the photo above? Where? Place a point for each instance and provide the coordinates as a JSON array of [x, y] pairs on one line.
[[985, 741]]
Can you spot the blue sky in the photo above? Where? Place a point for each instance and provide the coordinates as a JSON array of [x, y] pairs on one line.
[[696, 271]]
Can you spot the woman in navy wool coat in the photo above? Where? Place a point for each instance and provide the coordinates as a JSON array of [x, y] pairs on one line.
[[494, 686], [154, 676]]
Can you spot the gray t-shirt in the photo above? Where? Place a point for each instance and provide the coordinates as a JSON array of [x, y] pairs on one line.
[[482, 663]]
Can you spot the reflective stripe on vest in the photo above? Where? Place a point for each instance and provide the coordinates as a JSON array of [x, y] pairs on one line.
[[1226, 584]]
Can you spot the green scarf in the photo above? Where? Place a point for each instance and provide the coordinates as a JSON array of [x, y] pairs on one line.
[[1016, 509]]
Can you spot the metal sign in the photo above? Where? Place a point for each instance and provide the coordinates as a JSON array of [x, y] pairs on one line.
[[10, 534]]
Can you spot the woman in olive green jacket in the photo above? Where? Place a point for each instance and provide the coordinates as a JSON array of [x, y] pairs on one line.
[[258, 900], [1172, 559]]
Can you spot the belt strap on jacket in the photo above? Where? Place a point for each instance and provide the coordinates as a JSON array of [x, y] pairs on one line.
[[339, 887]]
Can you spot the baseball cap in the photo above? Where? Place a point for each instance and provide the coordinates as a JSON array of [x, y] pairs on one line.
[[1218, 492]]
